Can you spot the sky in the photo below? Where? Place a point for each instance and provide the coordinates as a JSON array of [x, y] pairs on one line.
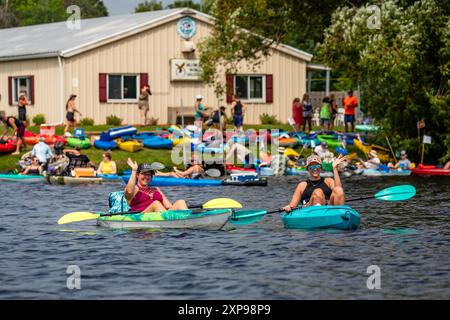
[[117, 7]]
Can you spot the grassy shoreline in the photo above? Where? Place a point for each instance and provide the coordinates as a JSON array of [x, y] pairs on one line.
[[9, 162]]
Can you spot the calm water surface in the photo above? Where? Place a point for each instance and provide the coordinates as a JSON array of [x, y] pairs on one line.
[[409, 241]]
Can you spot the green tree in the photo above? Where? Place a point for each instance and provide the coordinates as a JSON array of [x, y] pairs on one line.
[[145, 6], [184, 4], [30, 12], [402, 68]]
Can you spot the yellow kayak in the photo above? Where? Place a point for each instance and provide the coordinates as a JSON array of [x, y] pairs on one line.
[[129, 146], [383, 153]]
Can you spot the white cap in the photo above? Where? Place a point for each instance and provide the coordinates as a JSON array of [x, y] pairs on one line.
[[199, 96]]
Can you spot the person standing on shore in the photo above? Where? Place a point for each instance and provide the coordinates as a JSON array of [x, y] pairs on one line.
[[297, 113], [238, 110], [307, 112], [143, 103], [350, 103], [70, 115], [199, 112], [22, 110], [18, 128]]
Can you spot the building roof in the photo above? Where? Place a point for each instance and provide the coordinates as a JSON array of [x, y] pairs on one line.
[[57, 39]]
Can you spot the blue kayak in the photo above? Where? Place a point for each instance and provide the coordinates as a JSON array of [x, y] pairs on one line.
[[156, 142], [322, 217], [105, 145], [110, 176], [159, 181]]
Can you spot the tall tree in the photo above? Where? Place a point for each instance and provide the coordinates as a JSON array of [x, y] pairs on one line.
[[402, 65], [30, 12], [151, 5], [184, 4]]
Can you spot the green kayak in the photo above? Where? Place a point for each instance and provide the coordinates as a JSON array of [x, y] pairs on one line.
[[366, 127], [332, 141], [77, 142], [172, 219]]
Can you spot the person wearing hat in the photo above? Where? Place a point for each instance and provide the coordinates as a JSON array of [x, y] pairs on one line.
[[279, 162], [70, 115], [403, 163], [373, 162], [322, 150], [18, 128], [143, 198], [42, 151], [317, 190]]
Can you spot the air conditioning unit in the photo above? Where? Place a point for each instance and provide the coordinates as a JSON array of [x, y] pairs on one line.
[[188, 46]]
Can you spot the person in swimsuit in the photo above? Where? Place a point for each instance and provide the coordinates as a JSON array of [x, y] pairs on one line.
[[143, 198], [71, 110], [238, 110], [35, 168], [317, 190], [107, 166], [19, 130]]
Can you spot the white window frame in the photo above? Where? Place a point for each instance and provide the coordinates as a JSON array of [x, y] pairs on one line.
[[123, 75], [15, 81], [252, 100]]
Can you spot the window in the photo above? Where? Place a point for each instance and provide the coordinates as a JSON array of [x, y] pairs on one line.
[[250, 88], [21, 85], [123, 88]]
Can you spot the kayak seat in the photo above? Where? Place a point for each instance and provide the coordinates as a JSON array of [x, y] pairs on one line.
[[117, 202]]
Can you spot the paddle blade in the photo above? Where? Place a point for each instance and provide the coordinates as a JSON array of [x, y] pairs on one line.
[[222, 203], [157, 166], [215, 173], [241, 217], [77, 216], [397, 193]]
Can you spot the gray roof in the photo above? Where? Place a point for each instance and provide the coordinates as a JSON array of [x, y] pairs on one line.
[[54, 39], [57, 39]]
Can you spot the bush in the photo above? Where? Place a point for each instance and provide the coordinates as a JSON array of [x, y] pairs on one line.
[[112, 120], [268, 119], [152, 121], [85, 122], [39, 119]]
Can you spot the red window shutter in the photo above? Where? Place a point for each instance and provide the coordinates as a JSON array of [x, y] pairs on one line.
[[10, 91], [32, 90], [230, 87], [269, 88], [143, 81], [102, 87]]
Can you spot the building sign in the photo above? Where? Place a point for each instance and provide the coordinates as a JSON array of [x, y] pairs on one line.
[[184, 69], [186, 27], [426, 139]]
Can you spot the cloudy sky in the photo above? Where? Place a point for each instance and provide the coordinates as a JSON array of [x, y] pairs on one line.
[[116, 7]]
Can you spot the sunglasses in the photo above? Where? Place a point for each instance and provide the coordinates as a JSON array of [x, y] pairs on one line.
[[312, 167]]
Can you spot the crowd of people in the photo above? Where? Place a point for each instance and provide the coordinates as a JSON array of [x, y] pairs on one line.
[[302, 112]]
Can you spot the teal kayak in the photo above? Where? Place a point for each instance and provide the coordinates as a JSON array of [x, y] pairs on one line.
[[321, 217], [21, 178], [366, 127]]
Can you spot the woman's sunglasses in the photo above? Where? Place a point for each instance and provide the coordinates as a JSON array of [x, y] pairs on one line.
[[312, 167]]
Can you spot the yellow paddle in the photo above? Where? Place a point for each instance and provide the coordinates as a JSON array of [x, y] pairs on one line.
[[218, 203]]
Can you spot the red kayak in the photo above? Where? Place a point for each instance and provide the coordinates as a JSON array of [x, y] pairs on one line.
[[231, 167], [33, 138], [422, 170], [8, 147]]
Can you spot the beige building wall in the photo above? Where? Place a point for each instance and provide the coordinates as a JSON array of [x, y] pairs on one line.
[[150, 52], [46, 87]]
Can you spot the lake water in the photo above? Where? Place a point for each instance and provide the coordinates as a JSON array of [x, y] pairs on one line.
[[409, 242]]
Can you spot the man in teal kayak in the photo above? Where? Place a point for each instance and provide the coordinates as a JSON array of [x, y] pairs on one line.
[[317, 190]]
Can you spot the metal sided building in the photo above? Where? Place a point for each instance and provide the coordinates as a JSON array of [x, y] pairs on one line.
[[106, 60]]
